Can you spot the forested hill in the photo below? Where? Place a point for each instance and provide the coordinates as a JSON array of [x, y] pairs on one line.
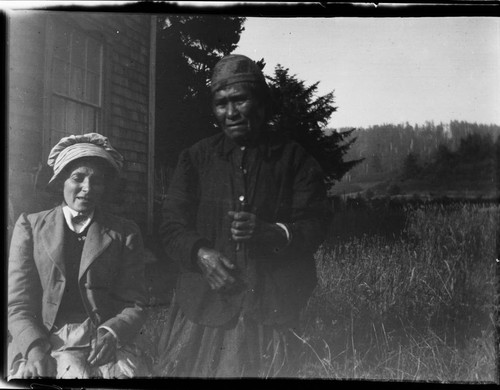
[[385, 147], [428, 153]]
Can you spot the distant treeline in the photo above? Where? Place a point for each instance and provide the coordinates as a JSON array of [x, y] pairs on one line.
[[385, 148], [475, 160]]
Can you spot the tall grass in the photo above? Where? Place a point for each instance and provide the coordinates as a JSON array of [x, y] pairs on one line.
[[419, 307]]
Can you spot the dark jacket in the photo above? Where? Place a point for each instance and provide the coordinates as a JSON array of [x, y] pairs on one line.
[[111, 277], [282, 183]]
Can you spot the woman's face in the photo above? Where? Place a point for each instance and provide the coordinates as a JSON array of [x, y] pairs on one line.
[[84, 186], [239, 113]]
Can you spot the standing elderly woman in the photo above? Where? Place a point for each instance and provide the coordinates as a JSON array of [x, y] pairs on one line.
[[245, 211], [76, 287]]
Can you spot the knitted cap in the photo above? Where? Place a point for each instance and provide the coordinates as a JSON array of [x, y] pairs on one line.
[[74, 147], [236, 68]]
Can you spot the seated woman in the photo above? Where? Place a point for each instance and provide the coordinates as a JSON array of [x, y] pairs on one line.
[[76, 287]]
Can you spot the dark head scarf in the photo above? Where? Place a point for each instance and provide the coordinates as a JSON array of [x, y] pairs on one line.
[[236, 68]]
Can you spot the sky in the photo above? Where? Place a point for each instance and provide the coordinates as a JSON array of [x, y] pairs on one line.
[[388, 70]]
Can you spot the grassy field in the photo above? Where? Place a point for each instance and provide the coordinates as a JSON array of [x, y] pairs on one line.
[[416, 307], [419, 306]]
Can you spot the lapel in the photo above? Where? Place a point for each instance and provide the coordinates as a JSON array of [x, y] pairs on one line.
[[52, 237], [98, 239]]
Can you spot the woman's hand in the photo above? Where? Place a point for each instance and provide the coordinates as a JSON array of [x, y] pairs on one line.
[[214, 266], [39, 363], [103, 349], [243, 225], [246, 226]]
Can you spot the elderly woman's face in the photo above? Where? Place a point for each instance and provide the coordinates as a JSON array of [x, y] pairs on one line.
[[239, 113], [84, 186]]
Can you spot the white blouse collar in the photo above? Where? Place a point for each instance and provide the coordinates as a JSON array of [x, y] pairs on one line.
[[69, 213]]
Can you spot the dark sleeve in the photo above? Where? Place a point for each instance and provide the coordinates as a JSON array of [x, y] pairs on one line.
[[178, 227], [311, 214], [24, 289]]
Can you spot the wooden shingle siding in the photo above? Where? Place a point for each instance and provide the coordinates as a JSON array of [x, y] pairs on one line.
[[128, 105], [25, 104]]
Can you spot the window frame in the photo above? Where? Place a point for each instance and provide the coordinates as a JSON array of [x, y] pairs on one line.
[[49, 94]]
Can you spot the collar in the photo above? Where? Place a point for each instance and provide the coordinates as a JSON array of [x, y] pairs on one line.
[[69, 213], [268, 143]]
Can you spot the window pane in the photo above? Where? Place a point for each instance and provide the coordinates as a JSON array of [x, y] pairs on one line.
[[76, 84], [73, 118], [60, 76], [58, 109], [78, 50], [93, 56], [93, 88]]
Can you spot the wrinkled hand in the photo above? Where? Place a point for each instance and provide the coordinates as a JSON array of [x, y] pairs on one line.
[[214, 266], [103, 349], [243, 225], [39, 363], [246, 226]]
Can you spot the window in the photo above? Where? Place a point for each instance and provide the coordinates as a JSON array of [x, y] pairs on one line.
[[75, 86]]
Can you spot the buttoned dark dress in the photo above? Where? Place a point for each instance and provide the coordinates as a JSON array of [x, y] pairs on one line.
[[230, 333]]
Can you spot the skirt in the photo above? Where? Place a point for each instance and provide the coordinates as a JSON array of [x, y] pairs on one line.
[[243, 348], [70, 349]]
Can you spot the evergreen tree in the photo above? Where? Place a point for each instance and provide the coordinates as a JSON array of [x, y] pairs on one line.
[[443, 154], [476, 147], [188, 47], [376, 163], [411, 166], [301, 115]]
